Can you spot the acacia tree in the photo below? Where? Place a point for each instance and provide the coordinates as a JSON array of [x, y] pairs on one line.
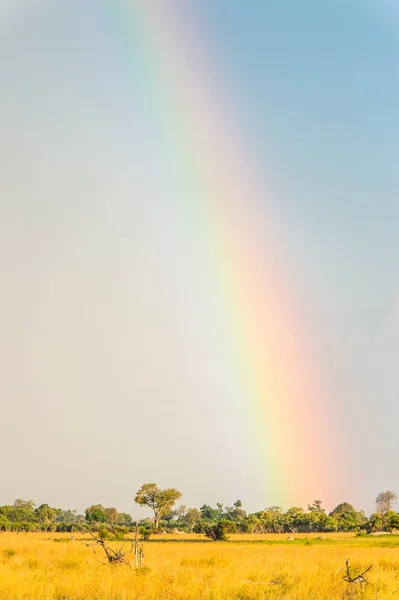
[[160, 501]]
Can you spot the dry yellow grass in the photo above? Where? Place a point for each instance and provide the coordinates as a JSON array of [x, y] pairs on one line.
[[36, 566]]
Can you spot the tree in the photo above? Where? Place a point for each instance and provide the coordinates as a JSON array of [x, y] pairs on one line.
[[111, 515], [45, 514], [208, 513], [384, 502], [191, 518], [316, 506], [342, 508], [235, 513], [125, 519], [95, 514], [22, 510], [392, 520], [295, 519], [348, 519], [250, 524], [376, 523], [67, 516], [160, 501]]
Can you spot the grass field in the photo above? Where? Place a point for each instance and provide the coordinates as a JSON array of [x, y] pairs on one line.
[[53, 567]]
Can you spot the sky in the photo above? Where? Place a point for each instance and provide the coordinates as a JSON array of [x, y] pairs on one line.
[[115, 347]]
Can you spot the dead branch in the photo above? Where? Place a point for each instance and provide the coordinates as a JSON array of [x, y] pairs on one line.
[[118, 556], [349, 578], [113, 556]]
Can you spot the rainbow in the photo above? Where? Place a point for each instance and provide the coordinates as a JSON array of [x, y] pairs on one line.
[[264, 328]]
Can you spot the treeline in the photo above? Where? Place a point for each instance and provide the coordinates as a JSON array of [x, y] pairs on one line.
[[24, 515]]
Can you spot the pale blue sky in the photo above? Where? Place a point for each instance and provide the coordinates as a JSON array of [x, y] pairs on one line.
[[103, 320]]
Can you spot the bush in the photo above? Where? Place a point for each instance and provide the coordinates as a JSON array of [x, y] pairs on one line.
[[63, 528], [220, 530], [105, 534], [120, 532], [146, 531]]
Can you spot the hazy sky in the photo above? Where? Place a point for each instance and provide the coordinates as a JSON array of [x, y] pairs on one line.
[[112, 373]]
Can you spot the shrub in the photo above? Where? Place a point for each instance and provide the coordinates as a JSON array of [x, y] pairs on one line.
[[9, 552], [120, 532], [105, 534], [220, 530], [146, 531], [63, 528]]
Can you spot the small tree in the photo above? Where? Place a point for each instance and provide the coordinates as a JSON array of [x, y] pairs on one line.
[[192, 518], [316, 506], [160, 501]]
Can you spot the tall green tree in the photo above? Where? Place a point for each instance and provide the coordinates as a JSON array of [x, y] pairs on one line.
[[160, 501], [23, 510], [45, 514], [96, 514], [208, 513]]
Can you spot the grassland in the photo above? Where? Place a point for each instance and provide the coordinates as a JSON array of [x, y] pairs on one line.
[[55, 567]]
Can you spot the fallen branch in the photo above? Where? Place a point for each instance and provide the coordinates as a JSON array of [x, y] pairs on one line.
[[349, 578]]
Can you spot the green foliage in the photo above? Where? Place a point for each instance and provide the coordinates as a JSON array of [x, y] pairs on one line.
[[146, 531], [64, 528], [392, 520], [208, 513], [96, 514], [362, 533], [376, 522], [160, 501], [20, 511], [124, 519], [342, 508], [105, 534], [316, 507], [220, 530], [111, 515], [24, 516], [45, 514], [119, 532]]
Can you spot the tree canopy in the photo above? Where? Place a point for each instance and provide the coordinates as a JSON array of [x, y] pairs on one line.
[[160, 501]]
